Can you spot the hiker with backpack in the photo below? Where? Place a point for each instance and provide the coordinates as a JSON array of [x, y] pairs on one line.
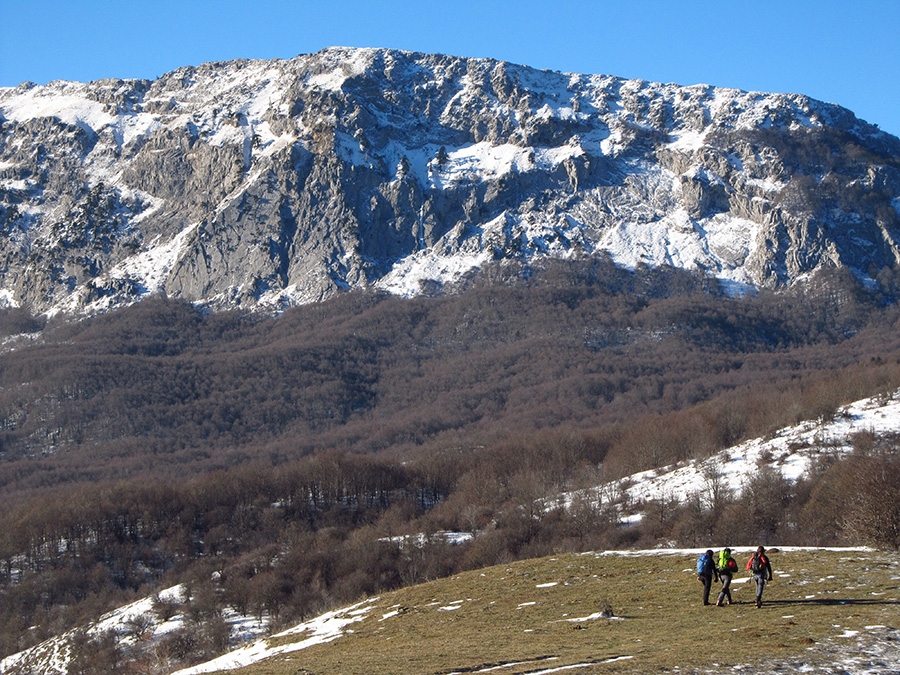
[[727, 566], [706, 571], [761, 570]]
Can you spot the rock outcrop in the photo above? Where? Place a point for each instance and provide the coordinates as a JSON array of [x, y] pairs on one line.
[[266, 183]]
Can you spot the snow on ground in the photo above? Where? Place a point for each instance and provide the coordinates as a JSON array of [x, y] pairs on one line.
[[325, 628], [152, 264], [65, 101], [719, 245], [420, 540], [791, 451], [543, 671], [7, 299], [132, 623], [123, 615], [688, 140], [408, 275]]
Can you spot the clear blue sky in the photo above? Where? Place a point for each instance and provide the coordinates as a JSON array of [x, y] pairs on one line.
[[835, 50]]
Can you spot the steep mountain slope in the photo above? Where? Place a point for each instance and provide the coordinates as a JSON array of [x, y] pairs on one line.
[[160, 388], [269, 183]]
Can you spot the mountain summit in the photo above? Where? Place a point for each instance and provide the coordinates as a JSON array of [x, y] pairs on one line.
[[263, 184]]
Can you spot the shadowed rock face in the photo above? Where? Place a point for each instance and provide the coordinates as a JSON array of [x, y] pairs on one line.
[[268, 183]]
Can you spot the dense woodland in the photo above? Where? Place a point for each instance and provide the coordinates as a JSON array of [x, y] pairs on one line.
[[284, 465]]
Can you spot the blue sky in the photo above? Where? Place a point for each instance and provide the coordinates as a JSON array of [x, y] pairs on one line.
[[834, 50]]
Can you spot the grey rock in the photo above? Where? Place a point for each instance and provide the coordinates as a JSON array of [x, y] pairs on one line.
[[262, 184]]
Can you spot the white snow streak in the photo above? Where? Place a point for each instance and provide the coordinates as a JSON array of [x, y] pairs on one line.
[[790, 451], [325, 628]]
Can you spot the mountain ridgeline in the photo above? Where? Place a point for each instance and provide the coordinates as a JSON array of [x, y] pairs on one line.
[[265, 184]]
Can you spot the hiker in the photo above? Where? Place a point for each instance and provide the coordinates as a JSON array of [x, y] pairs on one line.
[[761, 570], [706, 570], [727, 566]]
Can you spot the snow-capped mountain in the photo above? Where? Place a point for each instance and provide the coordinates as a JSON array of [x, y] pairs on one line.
[[267, 183]]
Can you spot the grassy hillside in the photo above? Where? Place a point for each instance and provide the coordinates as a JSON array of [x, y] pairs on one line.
[[824, 609]]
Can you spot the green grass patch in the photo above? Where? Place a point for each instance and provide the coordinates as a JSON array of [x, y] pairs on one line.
[[542, 614]]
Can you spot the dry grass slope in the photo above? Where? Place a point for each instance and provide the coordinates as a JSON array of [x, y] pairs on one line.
[[545, 616]]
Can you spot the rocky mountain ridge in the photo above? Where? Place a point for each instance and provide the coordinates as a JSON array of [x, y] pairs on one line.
[[262, 184]]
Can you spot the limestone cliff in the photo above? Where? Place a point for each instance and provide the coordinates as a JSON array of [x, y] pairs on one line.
[[265, 183]]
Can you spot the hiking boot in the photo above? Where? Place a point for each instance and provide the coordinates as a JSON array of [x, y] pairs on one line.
[[758, 602]]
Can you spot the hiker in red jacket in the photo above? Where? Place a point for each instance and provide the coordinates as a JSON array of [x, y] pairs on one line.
[[761, 570]]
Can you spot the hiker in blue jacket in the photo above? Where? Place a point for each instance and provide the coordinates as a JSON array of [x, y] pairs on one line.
[[706, 572]]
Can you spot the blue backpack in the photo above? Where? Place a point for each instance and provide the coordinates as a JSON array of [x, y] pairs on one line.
[[704, 564]]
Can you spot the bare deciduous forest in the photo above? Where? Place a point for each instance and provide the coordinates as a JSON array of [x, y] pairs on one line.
[[295, 456]]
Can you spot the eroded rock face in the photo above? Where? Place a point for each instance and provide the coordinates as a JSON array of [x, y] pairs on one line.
[[266, 183]]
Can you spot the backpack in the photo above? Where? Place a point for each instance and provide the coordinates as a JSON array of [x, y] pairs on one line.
[[726, 563], [757, 563], [723, 560], [704, 565]]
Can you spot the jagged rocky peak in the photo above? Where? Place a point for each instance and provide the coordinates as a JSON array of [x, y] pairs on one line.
[[266, 183]]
